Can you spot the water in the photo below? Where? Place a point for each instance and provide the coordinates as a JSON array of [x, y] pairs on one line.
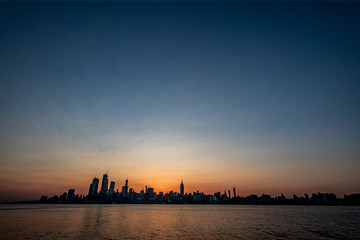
[[178, 222]]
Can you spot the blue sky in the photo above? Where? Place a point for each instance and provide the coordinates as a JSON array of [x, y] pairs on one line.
[[131, 86]]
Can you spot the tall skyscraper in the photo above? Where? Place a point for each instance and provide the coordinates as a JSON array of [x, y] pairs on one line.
[[182, 188], [125, 188], [104, 184], [234, 192], [94, 187], [112, 186], [91, 187]]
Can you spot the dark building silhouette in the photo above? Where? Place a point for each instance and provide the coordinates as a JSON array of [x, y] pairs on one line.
[[96, 185], [125, 188], [128, 195], [182, 188], [112, 187], [104, 184], [217, 195], [93, 189], [71, 195], [63, 197], [151, 193]]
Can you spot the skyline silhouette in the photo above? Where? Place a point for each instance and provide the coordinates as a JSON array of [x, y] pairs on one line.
[[148, 195], [107, 194]]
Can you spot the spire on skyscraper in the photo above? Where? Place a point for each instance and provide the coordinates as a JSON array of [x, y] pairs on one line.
[[182, 188]]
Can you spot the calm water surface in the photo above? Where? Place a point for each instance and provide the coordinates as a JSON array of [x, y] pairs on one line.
[[177, 222]]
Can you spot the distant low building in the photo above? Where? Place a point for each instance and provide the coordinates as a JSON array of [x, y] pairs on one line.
[[71, 195]]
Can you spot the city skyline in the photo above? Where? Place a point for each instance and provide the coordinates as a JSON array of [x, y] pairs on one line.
[[260, 96], [104, 187], [106, 194]]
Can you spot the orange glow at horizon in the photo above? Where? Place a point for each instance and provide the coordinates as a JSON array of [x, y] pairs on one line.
[[28, 175], [32, 186]]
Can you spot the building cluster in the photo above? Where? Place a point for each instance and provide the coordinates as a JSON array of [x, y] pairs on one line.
[[107, 194], [128, 195]]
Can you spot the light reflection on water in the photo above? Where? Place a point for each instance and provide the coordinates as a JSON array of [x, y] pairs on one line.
[[177, 222]]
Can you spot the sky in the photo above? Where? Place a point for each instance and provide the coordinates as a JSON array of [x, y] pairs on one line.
[[263, 97]]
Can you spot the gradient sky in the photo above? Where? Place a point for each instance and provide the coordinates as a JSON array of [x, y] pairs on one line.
[[264, 97]]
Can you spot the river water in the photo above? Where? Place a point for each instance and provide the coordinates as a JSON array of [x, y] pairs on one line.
[[26, 221]]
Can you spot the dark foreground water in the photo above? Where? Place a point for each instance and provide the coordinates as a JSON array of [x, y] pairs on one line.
[[178, 222]]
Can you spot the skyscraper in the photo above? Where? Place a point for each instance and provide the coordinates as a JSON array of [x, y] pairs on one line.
[[112, 186], [125, 188], [94, 187], [182, 188], [104, 184], [91, 187]]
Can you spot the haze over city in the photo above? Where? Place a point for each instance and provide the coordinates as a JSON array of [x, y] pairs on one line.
[[260, 97]]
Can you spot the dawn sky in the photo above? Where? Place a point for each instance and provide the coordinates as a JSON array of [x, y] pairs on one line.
[[261, 97]]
